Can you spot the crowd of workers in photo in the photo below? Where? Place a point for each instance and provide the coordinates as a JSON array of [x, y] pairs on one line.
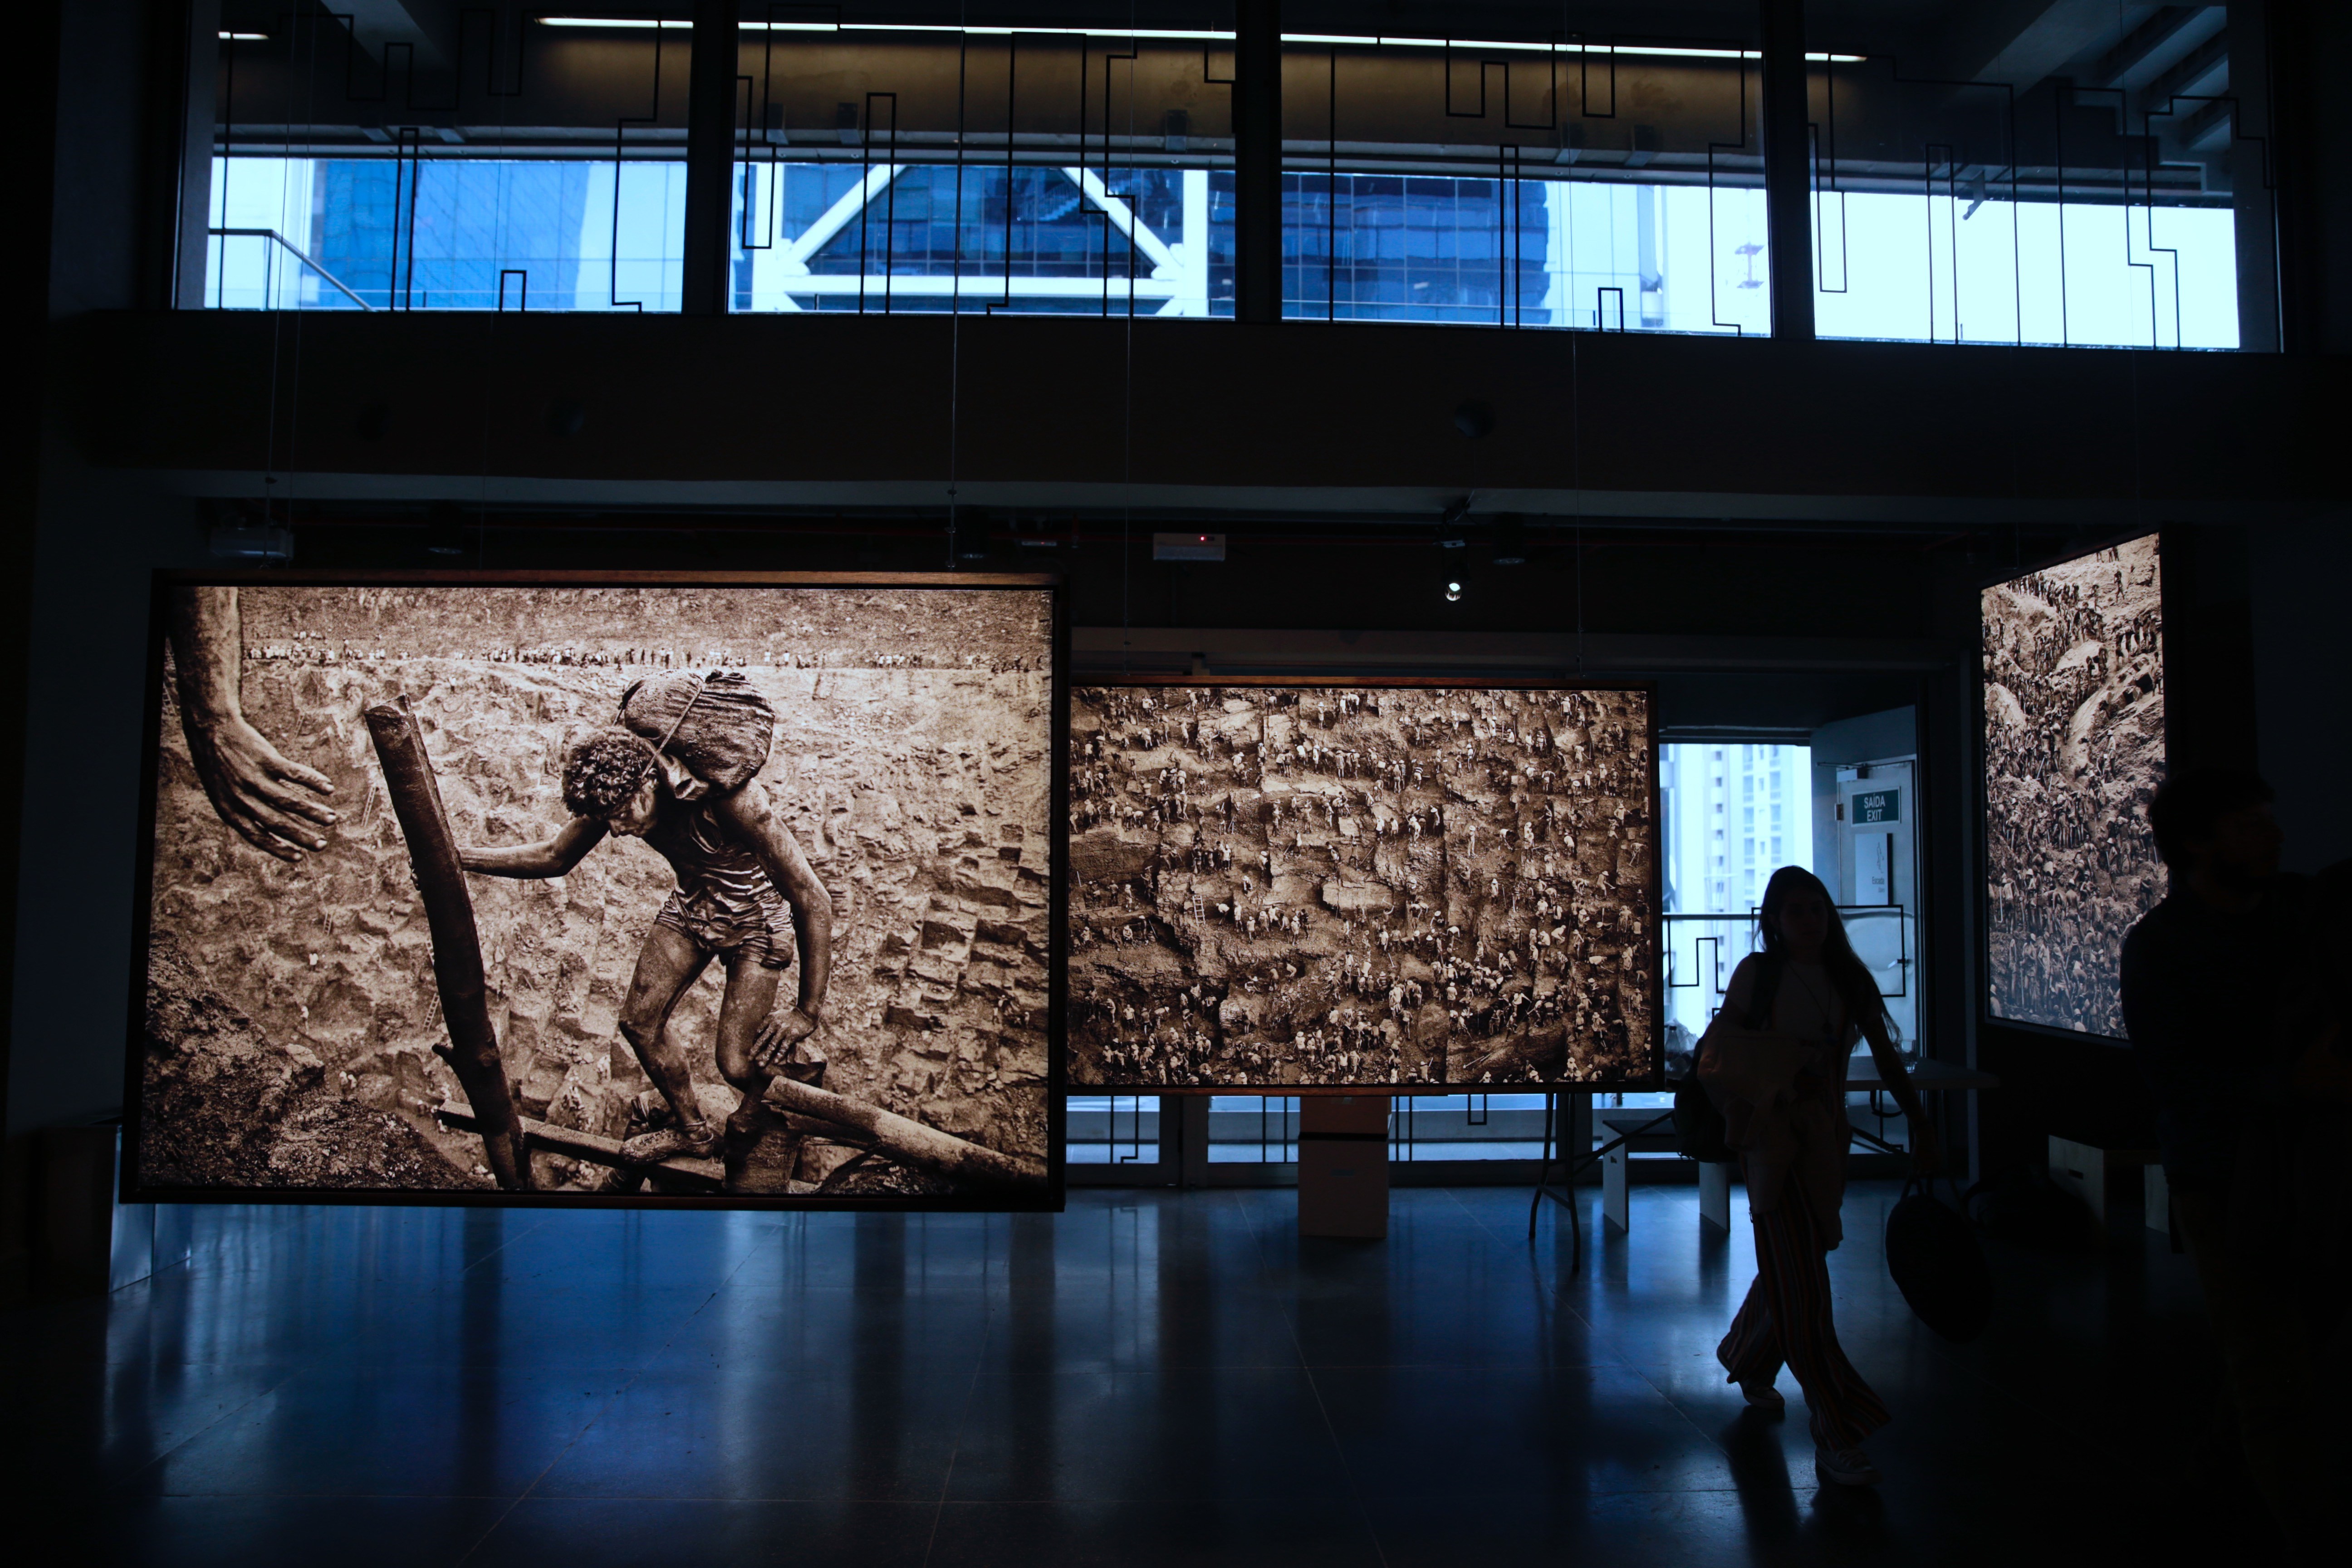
[[318, 647], [1358, 886], [2073, 740]]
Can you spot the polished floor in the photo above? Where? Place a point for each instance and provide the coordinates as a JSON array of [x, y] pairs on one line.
[[1149, 1378]]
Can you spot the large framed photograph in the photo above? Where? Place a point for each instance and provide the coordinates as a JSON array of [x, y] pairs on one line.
[[1401, 886], [2073, 748], [669, 890]]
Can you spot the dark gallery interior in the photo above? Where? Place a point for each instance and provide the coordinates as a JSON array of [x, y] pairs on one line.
[[1596, 830]]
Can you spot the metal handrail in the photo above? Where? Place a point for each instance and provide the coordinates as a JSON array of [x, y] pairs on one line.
[[295, 252], [1901, 913]]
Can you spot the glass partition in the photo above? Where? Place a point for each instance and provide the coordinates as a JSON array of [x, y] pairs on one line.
[[1467, 1127], [1254, 1130], [987, 165], [1974, 176], [481, 159], [2104, 185], [1735, 811], [1112, 1129], [1538, 177]]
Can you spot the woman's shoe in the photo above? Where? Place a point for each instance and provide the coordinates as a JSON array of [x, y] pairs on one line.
[[1763, 1395], [1846, 1467]]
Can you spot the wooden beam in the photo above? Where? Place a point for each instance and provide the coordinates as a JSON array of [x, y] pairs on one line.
[[473, 1049], [816, 1113], [697, 1175], [904, 1140]]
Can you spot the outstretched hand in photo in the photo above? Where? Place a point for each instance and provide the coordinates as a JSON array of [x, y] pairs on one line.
[[268, 798], [745, 896]]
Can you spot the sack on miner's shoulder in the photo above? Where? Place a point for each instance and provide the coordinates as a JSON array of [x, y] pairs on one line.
[[729, 724]]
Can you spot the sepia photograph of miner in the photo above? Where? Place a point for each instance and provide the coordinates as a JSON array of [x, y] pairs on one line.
[[623, 892], [1324, 886], [2073, 749]]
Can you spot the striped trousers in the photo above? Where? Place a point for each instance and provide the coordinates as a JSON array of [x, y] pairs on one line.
[[1786, 1317]]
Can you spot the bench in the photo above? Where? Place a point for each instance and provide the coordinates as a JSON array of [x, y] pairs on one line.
[[1652, 1131], [2089, 1171]]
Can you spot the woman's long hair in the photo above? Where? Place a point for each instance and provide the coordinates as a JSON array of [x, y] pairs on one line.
[[1844, 966]]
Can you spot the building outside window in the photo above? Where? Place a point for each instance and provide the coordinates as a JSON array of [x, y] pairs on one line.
[[348, 234], [1710, 905], [1087, 168]]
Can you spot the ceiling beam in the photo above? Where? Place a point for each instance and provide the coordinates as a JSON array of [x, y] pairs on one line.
[[2203, 71], [2021, 43], [2209, 127], [2142, 43], [380, 25]]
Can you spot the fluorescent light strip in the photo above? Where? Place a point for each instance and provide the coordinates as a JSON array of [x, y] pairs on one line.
[[245, 37], [1666, 51]]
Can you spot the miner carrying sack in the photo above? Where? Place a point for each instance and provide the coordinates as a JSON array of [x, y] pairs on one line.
[[679, 773]]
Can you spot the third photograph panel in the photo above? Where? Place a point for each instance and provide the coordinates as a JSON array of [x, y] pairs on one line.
[[2073, 748], [1286, 885]]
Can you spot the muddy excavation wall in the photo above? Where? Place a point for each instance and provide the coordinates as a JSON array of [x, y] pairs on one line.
[[291, 1009], [1326, 886]]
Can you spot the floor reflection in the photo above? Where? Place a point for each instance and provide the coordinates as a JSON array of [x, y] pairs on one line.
[[1151, 1376]]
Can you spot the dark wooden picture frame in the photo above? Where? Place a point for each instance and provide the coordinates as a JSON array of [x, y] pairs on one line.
[[1028, 1194]]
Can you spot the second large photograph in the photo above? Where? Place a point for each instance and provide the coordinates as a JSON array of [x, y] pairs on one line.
[[1279, 886]]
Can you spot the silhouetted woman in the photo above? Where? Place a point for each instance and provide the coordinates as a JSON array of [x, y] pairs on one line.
[[1774, 1060]]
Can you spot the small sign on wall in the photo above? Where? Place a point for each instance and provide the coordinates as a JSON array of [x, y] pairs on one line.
[[1878, 807]]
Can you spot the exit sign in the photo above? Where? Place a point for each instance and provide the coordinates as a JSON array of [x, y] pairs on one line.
[[1878, 805]]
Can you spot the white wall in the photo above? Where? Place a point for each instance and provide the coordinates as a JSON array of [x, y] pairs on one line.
[[1866, 738]]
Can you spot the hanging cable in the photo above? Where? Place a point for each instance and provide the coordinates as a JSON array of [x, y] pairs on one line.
[[955, 296], [1127, 411], [1576, 483]]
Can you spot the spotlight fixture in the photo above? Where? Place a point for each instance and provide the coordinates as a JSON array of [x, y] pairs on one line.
[[1453, 593]]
